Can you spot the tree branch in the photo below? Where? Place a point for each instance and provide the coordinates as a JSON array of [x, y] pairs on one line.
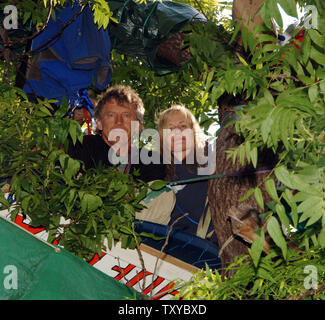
[[164, 246], [199, 5], [284, 76], [58, 34], [12, 43]]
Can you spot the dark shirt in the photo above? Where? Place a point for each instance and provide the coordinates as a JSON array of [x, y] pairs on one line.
[[93, 152], [190, 198]]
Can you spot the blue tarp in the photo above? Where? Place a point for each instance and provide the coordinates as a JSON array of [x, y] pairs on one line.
[[72, 61], [184, 246]]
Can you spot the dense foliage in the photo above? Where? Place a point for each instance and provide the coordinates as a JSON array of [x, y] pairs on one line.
[[284, 93], [283, 89], [84, 211]]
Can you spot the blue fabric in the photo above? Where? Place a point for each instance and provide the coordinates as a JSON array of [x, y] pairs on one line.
[[58, 80], [81, 40], [184, 246]]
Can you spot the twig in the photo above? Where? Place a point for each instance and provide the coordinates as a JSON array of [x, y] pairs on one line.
[[58, 34], [199, 5], [164, 246], [122, 271], [142, 265], [284, 76], [306, 294], [225, 245]]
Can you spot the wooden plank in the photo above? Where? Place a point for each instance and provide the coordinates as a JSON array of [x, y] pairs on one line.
[[168, 258]]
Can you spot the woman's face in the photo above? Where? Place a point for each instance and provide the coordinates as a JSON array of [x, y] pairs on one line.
[[180, 137]]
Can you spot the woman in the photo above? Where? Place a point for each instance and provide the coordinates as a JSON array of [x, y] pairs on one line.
[[183, 145]]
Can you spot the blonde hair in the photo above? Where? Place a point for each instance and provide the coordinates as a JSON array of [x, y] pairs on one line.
[[199, 137]]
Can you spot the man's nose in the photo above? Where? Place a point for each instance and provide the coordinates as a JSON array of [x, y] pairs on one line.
[[119, 119]]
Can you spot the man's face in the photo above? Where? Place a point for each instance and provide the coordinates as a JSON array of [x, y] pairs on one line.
[[118, 117]]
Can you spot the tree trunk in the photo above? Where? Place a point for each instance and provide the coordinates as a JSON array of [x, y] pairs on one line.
[[245, 11], [224, 193]]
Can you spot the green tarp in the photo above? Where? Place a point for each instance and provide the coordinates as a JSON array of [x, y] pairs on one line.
[[32, 269], [143, 27]]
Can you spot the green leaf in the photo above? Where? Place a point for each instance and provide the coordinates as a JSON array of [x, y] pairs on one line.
[[3, 201], [90, 202], [288, 197], [271, 189], [316, 37], [266, 38], [283, 175], [315, 216], [241, 59], [253, 156], [273, 11], [209, 79], [125, 240], [71, 169], [25, 203], [45, 110], [248, 150], [109, 238], [121, 193], [73, 131], [321, 238], [259, 197], [280, 210], [27, 15], [310, 203], [266, 128], [274, 230], [289, 6], [235, 33], [313, 93], [257, 248], [157, 185], [244, 34], [247, 195], [283, 126], [317, 56], [61, 112]]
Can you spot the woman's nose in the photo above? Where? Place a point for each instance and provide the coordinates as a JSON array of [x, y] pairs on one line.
[[176, 131]]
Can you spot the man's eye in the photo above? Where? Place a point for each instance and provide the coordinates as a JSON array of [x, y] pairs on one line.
[[126, 115]]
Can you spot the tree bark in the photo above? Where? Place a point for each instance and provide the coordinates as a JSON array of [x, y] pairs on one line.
[[224, 193], [245, 11]]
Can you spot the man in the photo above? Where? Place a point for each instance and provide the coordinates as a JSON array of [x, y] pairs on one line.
[[119, 113]]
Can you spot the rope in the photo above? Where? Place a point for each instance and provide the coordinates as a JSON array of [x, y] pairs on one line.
[[187, 217], [215, 176], [120, 18], [225, 245], [149, 16]]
